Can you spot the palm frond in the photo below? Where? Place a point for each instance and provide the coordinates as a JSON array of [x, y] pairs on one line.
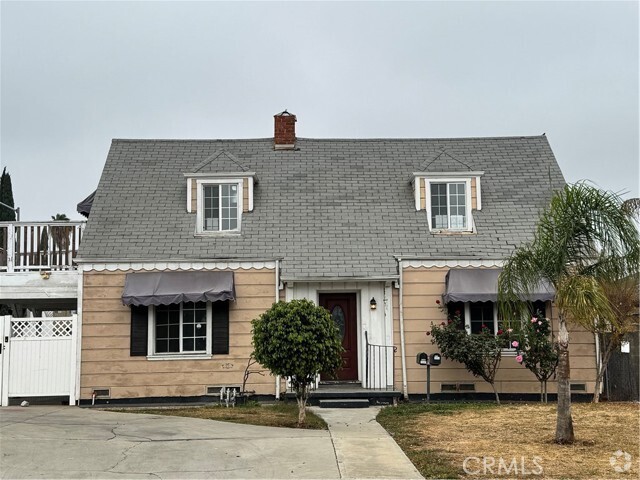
[[584, 299], [584, 232]]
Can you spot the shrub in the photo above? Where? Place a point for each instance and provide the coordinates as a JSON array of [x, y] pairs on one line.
[[298, 340]]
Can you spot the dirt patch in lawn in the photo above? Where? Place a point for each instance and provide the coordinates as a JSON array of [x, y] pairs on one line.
[[278, 415], [516, 440]]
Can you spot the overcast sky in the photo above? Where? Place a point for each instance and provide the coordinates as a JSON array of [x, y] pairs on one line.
[[76, 75]]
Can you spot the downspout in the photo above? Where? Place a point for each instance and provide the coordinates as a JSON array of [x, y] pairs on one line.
[[277, 298], [78, 326], [405, 390]]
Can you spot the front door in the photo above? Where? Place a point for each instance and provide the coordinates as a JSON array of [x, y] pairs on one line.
[[342, 307]]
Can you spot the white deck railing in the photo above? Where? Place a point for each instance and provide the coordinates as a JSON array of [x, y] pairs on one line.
[[37, 246]]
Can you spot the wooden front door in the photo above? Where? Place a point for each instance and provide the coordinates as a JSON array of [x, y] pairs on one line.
[[342, 307]]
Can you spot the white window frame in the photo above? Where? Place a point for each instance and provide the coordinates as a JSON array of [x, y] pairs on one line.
[[201, 183], [151, 338], [467, 317], [448, 181]]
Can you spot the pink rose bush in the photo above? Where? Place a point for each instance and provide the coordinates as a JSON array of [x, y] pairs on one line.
[[536, 349]]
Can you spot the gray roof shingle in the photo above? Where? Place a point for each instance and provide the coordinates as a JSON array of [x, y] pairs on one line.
[[331, 208]]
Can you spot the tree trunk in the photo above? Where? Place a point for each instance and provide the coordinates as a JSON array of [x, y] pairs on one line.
[[301, 398], [546, 397], [603, 368], [541, 391], [496, 394], [564, 422]]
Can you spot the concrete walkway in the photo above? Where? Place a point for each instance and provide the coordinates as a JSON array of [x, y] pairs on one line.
[[363, 448], [71, 442]]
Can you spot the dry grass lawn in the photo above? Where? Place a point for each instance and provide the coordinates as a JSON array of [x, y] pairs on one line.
[[521, 432], [278, 415]]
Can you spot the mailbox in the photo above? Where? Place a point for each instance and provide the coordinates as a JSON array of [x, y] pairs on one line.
[[422, 359], [435, 359]]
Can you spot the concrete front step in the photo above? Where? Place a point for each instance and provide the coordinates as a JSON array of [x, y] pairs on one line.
[[344, 403]]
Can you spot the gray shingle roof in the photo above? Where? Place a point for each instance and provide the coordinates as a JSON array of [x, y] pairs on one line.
[[331, 208]]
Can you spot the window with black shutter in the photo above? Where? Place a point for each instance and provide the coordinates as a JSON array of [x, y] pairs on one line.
[[139, 330], [180, 329], [220, 327]]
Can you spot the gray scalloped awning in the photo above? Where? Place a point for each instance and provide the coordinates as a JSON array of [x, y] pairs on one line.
[[481, 285], [164, 288]]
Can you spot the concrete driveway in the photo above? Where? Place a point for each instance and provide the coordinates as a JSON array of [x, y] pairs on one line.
[[70, 442]]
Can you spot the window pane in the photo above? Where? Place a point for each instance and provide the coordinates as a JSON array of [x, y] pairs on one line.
[[211, 212], [458, 208], [439, 205], [162, 331], [201, 330], [162, 346], [174, 331], [481, 314], [201, 344], [229, 198], [201, 312], [167, 327], [338, 318], [187, 330], [174, 345], [194, 326]]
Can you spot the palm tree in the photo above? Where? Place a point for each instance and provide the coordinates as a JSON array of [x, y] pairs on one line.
[[584, 237], [60, 235]]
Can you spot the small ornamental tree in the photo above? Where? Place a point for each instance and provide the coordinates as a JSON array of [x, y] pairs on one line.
[[622, 295], [479, 353], [298, 340], [537, 351]]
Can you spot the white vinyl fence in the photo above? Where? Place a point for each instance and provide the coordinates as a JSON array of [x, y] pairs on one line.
[[38, 357]]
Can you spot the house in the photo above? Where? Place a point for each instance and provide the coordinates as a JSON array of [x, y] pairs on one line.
[[189, 240]]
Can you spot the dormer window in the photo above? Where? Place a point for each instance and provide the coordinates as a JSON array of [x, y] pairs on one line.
[[449, 206], [220, 213], [219, 205], [219, 200], [449, 199]]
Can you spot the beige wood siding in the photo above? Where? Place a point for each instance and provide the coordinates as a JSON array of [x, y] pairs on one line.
[[474, 199], [423, 193], [106, 362], [421, 288], [194, 196], [245, 195]]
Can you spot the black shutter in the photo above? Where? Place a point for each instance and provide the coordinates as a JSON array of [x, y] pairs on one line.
[[139, 330], [220, 327]]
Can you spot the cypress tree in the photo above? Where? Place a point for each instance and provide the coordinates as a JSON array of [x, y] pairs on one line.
[[6, 197]]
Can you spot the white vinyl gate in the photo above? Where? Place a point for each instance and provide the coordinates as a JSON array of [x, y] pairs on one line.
[[38, 357]]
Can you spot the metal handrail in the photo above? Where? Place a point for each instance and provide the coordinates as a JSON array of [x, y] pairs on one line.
[[378, 376]]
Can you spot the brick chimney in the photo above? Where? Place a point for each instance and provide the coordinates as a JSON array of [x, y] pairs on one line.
[[284, 137]]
